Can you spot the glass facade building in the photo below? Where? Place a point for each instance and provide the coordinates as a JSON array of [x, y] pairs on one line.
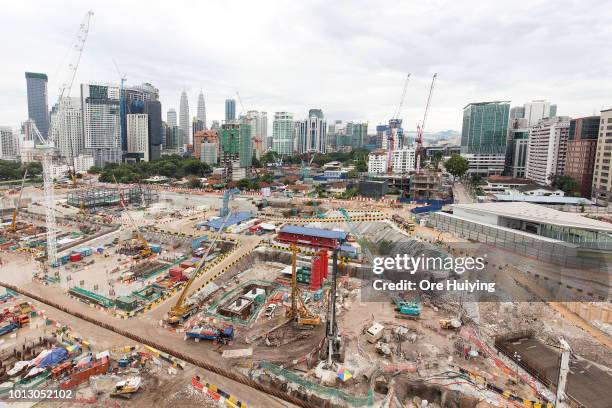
[[485, 128], [38, 108]]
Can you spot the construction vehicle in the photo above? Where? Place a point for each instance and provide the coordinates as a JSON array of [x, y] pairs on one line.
[[224, 335], [127, 387], [362, 241], [13, 226], [407, 309], [181, 311], [298, 312], [146, 251], [449, 324], [12, 322]]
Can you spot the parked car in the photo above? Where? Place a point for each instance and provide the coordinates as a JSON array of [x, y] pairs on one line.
[[270, 309]]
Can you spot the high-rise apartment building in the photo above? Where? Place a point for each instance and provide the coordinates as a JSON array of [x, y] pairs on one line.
[[9, 146], [357, 134], [204, 136], [377, 162], [581, 152], [404, 160], [283, 133], [483, 136], [201, 111], [184, 118], [602, 180], [547, 149], [311, 133], [171, 118], [230, 109], [236, 148], [38, 106], [67, 130], [258, 121], [138, 137], [101, 123], [134, 99]]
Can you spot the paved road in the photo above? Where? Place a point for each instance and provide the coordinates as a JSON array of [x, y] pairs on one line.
[[460, 194]]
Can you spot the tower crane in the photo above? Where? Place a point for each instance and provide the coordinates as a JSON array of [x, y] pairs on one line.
[[13, 226], [421, 127], [46, 146], [394, 123]]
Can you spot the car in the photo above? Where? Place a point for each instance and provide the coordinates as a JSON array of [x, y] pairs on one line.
[[270, 309]]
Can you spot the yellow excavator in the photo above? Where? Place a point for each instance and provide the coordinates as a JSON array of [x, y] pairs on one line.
[[181, 311], [13, 226], [299, 312]]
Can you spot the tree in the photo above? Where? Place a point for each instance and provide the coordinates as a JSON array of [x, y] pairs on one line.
[[436, 159], [194, 182], [457, 166], [254, 162], [95, 170], [563, 182], [352, 174], [361, 165], [243, 183]]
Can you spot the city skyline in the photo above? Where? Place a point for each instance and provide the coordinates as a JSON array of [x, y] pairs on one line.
[[356, 80]]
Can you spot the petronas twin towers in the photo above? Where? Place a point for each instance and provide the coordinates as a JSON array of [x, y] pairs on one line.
[[184, 121]]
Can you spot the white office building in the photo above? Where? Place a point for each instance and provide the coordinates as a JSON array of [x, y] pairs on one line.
[[101, 123], [377, 162], [83, 163], [485, 165], [547, 149], [138, 135], [537, 110], [283, 133], [9, 145], [171, 120], [311, 133], [404, 160], [67, 130]]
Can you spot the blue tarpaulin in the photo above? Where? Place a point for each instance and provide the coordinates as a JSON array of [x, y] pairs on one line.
[[55, 356]]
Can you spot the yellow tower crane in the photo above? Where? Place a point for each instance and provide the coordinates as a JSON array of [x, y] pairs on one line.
[[299, 312], [13, 226]]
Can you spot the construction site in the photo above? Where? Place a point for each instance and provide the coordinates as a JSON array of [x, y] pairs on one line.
[[236, 286]]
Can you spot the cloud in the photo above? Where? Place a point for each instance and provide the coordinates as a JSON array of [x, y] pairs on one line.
[[347, 57]]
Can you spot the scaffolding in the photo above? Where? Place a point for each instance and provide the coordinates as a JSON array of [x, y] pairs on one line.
[[104, 197]]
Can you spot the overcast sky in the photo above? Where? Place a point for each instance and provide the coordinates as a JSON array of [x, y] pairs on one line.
[[348, 58]]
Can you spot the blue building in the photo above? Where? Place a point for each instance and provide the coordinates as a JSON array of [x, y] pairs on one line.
[[38, 108]]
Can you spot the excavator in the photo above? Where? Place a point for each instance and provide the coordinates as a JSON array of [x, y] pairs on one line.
[[181, 311], [299, 312], [13, 226]]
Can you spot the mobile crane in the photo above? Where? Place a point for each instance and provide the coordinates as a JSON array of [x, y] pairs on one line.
[[13, 226], [146, 251], [181, 311]]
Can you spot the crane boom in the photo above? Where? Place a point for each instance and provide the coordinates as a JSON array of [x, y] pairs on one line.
[[398, 112], [179, 310], [241, 104], [421, 127], [362, 241], [13, 226], [147, 250]]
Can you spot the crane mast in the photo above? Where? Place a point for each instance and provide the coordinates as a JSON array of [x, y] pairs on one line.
[[421, 127], [13, 226]]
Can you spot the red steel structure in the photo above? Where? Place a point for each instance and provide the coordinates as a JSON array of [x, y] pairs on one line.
[[319, 269]]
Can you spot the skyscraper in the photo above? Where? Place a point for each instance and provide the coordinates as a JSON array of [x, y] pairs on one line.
[[138, 136], [38, 107], [547, 149], [581, 152], [230, 109], [171, 120], [602, 182], [236, 150], [538, 109], [312, 133], [153, 110], [101, 123], [356, 134], [282, 133], [67, 130], [184, 118], [201, 113], [485, 127]]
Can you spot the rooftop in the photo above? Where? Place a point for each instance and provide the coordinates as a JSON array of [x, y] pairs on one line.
[[537, 213], [541, 199], [233, 219], [315, 232]]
